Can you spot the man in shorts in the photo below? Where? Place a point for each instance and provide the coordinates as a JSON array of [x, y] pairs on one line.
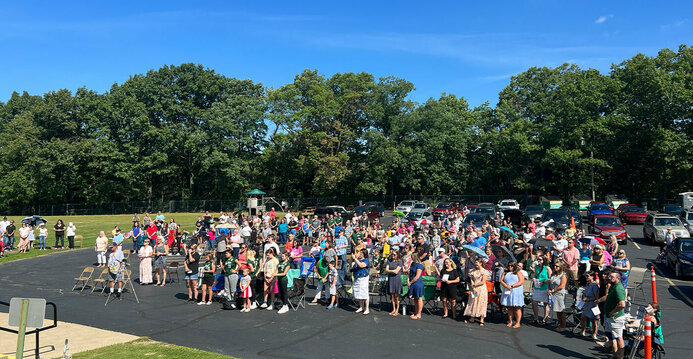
[[116, 269], [615, 317]]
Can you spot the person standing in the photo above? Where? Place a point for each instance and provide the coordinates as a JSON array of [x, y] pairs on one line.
[[59, 230], [557, 291], [477, 302], [3, 229], [361, 271], [615, 316], [270, 267], [540, 289], [283, 282], [145, 254], [230, 270], [160, 253], [341, 243], [11, 231], [512, 296], [43, 234], [571, 257], [23, 238], [137, 236], [100, 246], [116, 270], [394, 280], [589, 297], [207, 279], [191, 264], [416, 286], [70, 232], [449, 278]]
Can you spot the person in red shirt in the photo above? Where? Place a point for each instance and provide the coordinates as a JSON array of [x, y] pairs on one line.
[[152, 233], [549, 234]]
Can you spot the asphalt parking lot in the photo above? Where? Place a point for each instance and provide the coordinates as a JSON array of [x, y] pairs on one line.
[[163, 315]]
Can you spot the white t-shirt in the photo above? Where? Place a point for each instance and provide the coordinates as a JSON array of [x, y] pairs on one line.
[[222, 218], [540, 231], [561, 244], [145, 251], [245, 231], [3, 225], [70, 230]]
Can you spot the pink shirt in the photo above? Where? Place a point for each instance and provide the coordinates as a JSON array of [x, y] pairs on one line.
[[570, 255]]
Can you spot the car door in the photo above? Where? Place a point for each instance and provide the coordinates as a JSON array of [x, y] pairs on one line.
[[673, 253], [647, 227]]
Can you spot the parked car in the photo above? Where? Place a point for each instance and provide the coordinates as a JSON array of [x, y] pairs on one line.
[[490, 209], [615, 200], [560, 217], [687, 217], [405, 206], [622, 206], [533, 212], [377, 205], [632, 215], [508, 204], [672, 209], [515, 216], [577, 217], [478, 218], [679, 257], [322, 212], [415, 217], [371, 211], [607, 225], [597, 208], [421, 206], [656, 225], [443, 209]]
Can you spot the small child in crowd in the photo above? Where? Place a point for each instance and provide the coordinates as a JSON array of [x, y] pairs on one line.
[[332, 285], [246, 292]]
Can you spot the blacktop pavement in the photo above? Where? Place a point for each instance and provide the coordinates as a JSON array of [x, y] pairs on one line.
[[163, 315]]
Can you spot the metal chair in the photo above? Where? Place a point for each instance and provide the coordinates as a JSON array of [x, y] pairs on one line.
[[102, 279], [172, 269], [84, 278]]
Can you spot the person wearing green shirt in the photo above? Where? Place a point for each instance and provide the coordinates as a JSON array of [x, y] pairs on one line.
[[283, 282], [208, 279], [230, 270], [356, 235], [615, 316], [330, 223], [323, 268]]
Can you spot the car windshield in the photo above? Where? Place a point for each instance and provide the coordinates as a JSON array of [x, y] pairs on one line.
[[555, 215], [673, 222], [414, 215], [670, 209], [444, 205], [631, 209], [420, 205], [507, 203], [534, 209], [607, 221], [689, 216], [687, 246], [474, 217], [601, 207], [359, 210], [371, 204], [406, 203], [482, 210]]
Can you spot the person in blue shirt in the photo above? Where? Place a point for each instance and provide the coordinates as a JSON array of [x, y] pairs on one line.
[[118, 239], [415, 284], [137, 237], [282, 229], [361, 271]]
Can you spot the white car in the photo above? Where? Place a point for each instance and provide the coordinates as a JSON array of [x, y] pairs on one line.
[[508, 204], [405, 206], [416, 217]]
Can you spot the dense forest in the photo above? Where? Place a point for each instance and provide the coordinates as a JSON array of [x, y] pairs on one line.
[[186, 132]]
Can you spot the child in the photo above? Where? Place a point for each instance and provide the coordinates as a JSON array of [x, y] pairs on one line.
[[332, 285], [208, 279], [246, 292]]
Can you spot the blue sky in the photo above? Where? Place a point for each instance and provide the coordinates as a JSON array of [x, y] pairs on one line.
[[466, 48]]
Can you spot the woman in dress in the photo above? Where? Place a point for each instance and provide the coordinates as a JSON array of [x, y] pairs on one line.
[[540, 288], [394, 281], [23, 245], [361, 271], [512, 296], [612, 247], [589, 297], [478, 298], [621, 264], [145, 254], [160, 253], [449, 278], [416, 286], [557, 293]]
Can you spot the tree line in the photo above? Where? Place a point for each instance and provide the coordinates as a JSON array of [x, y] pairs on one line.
[[186, 132]]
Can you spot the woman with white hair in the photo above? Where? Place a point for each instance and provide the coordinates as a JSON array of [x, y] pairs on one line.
[[100, 249], [70, 233]]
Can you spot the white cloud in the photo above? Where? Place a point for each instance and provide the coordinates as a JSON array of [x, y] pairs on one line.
[[603, 19], [673, 25]]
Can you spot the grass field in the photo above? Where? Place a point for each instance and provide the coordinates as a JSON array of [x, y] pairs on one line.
[[89, 226], [146, 348]]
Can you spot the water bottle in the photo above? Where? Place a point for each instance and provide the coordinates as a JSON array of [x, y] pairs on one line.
[[404, 310]]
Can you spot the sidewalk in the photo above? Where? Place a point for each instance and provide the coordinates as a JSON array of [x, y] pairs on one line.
[[81, 338]]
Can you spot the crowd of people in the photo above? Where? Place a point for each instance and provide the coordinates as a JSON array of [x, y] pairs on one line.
[[24, 238]]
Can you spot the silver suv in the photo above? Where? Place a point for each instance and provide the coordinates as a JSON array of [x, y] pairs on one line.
[[656, 225]]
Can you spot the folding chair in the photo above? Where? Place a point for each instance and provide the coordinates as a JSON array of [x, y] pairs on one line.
[[375, 284], [493, 299], [102, 279], [173, 269], [219, 284], [346, 292], [84, 278], [429, 298], [297, 288], [307, 264]]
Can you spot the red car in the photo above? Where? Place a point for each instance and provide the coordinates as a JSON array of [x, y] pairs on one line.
[[444, 209], [633, 214], [371, 211], [623, 206], [607, 225]]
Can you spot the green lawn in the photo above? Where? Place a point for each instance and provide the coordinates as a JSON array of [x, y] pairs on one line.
[[89, 227], [146, 348]]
